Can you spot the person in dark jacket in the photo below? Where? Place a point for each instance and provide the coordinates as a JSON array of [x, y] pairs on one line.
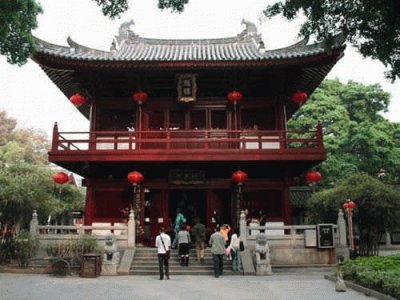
[[217, 243], [199, 236]]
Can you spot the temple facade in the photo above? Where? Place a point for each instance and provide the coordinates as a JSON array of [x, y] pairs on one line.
[[187, 115]]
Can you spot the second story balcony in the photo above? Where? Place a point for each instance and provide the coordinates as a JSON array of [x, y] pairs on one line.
[[188, 145]]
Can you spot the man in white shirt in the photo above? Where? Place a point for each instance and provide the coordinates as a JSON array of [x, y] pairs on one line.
[[163, 244]]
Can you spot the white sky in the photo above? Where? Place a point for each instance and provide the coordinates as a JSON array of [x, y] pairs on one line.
[[28, 95]]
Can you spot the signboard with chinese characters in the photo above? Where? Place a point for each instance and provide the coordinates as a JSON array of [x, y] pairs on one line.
[[186, 177], [325, 236]]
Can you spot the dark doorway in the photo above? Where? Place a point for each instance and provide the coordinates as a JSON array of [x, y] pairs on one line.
[[192, 203]]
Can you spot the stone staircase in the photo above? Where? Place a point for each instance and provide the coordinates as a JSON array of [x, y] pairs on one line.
[[145, 262]]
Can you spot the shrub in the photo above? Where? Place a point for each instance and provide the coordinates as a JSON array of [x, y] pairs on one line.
[[60, 249], [7, 250], [86, 244], [379, 273], [26, 246]]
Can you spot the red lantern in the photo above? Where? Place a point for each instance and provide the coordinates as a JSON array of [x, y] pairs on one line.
[[239, 177], [313, 176], [351, 205], [60, 178], [299, 97], [346, 205], [135, 177], [235, 96], [77, 99], [139, 97]]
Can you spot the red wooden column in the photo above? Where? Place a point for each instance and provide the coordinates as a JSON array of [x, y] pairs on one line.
[[54, 145], [89, 204], [287, 207]]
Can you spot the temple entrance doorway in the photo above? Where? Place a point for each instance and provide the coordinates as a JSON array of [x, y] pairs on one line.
[[191, 202]]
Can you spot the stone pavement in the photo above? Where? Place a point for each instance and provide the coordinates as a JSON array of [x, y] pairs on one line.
[[308, 286]]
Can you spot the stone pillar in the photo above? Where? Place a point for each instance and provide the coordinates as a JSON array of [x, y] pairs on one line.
[[342, 229], [388, 239], [243, 228], [131, 230], [34, 224]]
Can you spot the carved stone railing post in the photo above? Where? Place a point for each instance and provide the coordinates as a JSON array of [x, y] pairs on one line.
[[131, 230], [342, 229], [34, 224], [243, 228], [388, 239]]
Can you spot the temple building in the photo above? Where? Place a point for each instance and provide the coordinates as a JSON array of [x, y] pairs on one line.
[[198, 124]]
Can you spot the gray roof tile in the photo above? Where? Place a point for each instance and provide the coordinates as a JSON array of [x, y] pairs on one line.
[[131, 47]]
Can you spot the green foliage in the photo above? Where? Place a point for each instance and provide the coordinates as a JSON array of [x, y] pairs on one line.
[[74, 249], [380, 273], [17, 20], [356, 136], [26, 245], [27, 187], [25, 179], [371, 26], [59, 249], [7, 250], [86, 244], [112, 8], [174, 5], [378, 208]]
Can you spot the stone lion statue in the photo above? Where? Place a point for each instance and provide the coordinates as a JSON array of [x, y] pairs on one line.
[[263, 260], [111, 253]]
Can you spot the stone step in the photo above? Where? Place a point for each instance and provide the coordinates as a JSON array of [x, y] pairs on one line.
[[146, 263]]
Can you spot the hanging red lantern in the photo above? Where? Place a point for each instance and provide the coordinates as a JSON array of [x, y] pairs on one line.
[[346, 205], [77, 99], [299, 97], [351, 205], [235, 97], [60, 178], [239, 177], [139, 97], [135, 177], [313, 176]]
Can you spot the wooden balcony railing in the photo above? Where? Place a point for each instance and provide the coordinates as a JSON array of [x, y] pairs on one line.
[[181, 140]]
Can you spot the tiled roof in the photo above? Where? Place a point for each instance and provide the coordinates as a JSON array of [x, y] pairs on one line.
[[128, 46]]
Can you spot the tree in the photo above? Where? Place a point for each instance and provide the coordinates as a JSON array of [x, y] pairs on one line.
[[373, 27], [21, 145], [26, 179], [356, 137], [17, 19], [25, 187], [377, 211]]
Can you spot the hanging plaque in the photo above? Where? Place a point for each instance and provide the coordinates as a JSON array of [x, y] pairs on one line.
[[186, 177]]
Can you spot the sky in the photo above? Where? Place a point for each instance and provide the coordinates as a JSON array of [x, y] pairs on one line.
[[29, 96]]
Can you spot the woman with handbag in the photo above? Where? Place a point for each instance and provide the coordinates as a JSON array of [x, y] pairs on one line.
[[163, 243], [235, 253]]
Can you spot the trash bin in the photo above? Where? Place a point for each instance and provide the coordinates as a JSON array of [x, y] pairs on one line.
[[90, 265]]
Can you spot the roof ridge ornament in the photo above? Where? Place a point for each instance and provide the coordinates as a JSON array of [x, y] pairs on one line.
[[251, 33], [251, 28], [124, 32]]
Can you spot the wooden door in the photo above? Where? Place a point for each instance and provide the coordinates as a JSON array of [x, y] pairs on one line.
[[215, 210], [156, 214]]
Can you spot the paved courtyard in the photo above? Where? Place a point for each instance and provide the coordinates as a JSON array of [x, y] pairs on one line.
[[276, 287]]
